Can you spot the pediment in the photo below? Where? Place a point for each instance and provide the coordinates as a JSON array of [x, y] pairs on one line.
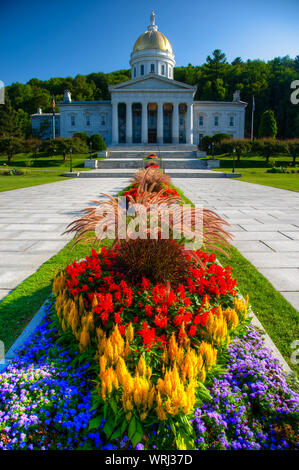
[[152, 82]]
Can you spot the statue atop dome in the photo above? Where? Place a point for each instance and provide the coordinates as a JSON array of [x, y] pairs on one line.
[[152, 26], [153, 18]]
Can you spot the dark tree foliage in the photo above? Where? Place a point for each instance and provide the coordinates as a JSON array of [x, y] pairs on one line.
[[268, 124]]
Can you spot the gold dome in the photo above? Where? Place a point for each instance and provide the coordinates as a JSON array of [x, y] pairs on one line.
[[152, 40]]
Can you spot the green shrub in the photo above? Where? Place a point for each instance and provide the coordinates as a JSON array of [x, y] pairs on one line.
[[268, 125], [217, 138], [82, 136], [205, 143], [98, 143]]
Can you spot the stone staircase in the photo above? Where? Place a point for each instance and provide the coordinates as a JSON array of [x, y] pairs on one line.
[[177, 161]]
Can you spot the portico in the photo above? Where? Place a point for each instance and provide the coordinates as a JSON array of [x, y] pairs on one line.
[[152, 110]]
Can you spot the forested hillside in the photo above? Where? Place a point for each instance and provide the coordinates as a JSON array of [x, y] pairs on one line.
[[216, 79]]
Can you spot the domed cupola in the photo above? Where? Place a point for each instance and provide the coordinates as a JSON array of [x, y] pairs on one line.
[[152, 53]]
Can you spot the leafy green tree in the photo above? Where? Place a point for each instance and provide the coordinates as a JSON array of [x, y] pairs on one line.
[[24, 123], [9, 125], [81, 135], [293, 146], [205, 143], [268, 125], [98, 143], [10, 146], [237, 61], [219, 137], [241, 146]]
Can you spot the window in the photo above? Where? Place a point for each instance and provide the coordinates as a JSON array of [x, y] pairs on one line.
[[181, 119], [142, 69], [216, 121], [134, 71], [103, 120], [200, 136], [73, 121], [152, 68], [88, 120], [201, 120], [231, 121], [162, 69]]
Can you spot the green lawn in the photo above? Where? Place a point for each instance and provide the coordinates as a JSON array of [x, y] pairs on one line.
[[41, 170], [254, 170], [7, 183]]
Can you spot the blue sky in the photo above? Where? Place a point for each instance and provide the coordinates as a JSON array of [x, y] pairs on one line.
[[52, 38]]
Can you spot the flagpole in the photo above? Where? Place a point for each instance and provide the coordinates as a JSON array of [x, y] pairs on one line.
[[53, 116], [252, 116]]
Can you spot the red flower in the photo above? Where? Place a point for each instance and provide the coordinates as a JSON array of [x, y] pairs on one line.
[[117, 318], [192, 330], [148, 335], [161, 320], [148, 310]]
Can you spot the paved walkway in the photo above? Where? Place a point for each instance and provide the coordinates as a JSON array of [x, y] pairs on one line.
[[32, 220], [265, 224]]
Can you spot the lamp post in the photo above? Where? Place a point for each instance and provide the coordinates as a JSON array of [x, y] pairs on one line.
[[234, 152], [90, 148], [71, 160], [36, 151], [213, 156]]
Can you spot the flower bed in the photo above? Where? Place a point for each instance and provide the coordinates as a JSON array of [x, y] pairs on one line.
[[45, 401]]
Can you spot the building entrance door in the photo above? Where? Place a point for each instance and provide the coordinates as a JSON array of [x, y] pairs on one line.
[[152, 123]]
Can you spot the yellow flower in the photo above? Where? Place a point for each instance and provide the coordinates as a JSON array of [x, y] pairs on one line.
[[130, 333], [141, 367]]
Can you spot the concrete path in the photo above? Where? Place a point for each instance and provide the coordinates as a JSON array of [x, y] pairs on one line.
[[265, 224], [32, 220]]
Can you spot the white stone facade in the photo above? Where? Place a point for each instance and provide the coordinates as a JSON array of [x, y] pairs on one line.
[[152, 107]]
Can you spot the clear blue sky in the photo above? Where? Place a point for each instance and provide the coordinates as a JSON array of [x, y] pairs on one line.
[[57, 38]]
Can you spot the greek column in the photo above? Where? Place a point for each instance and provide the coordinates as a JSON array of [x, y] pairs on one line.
[[160, 124], [144, 125], [189, 124], [114, 123]]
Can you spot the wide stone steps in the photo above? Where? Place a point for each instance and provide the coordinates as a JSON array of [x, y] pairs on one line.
[[140, 163], [178, 165], [174, 173]]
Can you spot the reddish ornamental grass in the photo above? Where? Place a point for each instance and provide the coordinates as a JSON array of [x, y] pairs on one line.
[[155, 310]]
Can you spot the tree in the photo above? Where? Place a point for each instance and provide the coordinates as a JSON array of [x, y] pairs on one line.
[[8, 119], [237, 61], [217, 138], [32, 145], [24, 123], [98, 143], [11, 145], [268, 125], [241, 146], [82, 136], [293, 146], [205, 143]]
